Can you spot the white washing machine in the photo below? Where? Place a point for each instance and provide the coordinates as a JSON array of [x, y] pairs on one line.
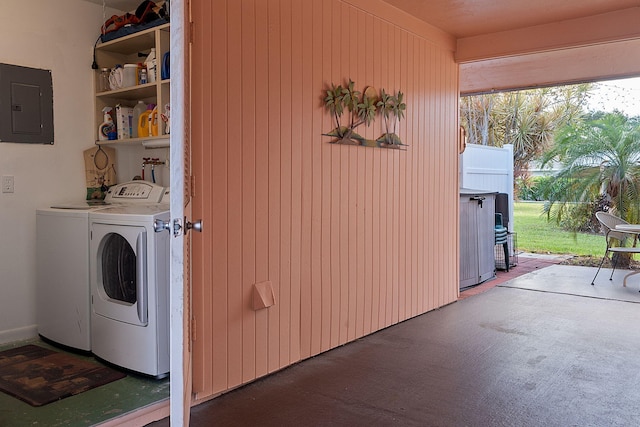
[[129, 275], [62, 274]]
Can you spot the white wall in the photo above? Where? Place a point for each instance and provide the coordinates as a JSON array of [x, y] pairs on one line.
[[59, 36]]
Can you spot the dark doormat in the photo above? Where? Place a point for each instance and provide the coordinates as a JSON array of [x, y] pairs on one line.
[[39, 376]]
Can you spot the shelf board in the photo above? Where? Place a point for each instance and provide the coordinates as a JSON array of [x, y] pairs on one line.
[[130, 93], [150, 141], [133, 43]]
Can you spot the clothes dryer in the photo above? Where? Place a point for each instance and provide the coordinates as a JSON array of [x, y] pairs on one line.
[[129, 274]]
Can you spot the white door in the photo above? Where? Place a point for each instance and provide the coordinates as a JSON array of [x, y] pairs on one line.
[[180, 197]]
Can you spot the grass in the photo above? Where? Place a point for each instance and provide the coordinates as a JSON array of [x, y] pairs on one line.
[[535, 234]]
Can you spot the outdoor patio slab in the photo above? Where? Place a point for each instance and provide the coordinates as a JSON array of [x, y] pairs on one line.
[[576, 280], [509, 356]]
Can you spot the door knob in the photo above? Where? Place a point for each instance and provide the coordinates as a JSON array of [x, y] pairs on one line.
[[160, 225], [195, 225]]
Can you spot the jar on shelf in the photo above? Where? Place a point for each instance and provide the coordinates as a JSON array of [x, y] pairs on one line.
[[103, 80]]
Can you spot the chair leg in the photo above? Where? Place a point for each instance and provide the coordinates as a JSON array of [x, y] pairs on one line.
[[505, 246], [599, 267], [614, 266]]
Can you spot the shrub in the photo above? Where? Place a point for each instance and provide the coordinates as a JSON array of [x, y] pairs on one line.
[[537, 188], [580, 217]]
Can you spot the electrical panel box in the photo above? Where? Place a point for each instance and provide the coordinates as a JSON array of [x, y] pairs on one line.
[[26, 105]]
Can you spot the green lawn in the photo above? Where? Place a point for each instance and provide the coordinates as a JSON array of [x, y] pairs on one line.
[[536, 235]]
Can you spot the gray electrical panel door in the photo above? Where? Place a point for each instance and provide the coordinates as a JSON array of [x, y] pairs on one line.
[[26, 105]]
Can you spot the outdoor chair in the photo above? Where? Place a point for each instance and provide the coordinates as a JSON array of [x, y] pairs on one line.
[[609, 223], [501, 234]]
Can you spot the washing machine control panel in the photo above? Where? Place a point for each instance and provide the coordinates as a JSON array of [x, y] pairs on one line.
[[135, 192]]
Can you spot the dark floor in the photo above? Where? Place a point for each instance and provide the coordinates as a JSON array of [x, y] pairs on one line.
[[511, 356]]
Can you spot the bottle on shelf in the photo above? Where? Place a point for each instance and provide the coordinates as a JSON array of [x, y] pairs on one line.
[[144, 128], [103, 80], [139, 108], [129, 75], [107, 129], [143, 76], [153, 122]]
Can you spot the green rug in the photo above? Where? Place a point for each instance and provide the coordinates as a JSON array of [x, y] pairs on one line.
[[39, 376]]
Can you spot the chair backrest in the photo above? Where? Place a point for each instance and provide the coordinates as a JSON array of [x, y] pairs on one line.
[[609, 223]]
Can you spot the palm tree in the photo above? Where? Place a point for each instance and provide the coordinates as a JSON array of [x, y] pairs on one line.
[[392, 108], [361, 108], [601, 166], [527, 119]]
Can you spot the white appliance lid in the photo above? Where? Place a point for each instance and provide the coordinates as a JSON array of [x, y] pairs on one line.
[[81, 205]]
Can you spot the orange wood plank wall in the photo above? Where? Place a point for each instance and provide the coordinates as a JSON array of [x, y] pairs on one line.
[[352, 239]]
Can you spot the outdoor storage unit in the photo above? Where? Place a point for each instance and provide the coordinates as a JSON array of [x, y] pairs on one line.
[[477, 220]]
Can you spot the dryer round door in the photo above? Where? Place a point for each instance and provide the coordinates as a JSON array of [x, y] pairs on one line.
[[119, 284]]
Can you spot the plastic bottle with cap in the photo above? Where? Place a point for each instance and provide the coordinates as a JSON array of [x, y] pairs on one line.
[[129, 76], [107, 127], [139, 108], [144, 129]]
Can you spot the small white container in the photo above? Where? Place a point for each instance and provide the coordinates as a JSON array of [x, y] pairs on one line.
[[150, 63], [130, 77]]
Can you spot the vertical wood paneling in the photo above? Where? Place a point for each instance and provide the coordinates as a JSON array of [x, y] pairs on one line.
[[273, 103], [357, 253], [285, 180], [306, 142], [262, 180], [419, 95], [216, 167], [382, 250], [296, 179], [432, 189], [351, 238], [404, 185], [417, 263], [394, 191], [334, 220], [373, 183], [234, 198], [319, 68], [248, 191], [326, 181]]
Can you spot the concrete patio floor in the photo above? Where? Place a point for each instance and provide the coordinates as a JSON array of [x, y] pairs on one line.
[[542, 349]]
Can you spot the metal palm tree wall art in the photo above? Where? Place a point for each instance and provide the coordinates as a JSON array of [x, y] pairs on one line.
[[362, 108]]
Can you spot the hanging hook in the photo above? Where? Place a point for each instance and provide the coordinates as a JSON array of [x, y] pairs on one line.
[[100, 158]]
